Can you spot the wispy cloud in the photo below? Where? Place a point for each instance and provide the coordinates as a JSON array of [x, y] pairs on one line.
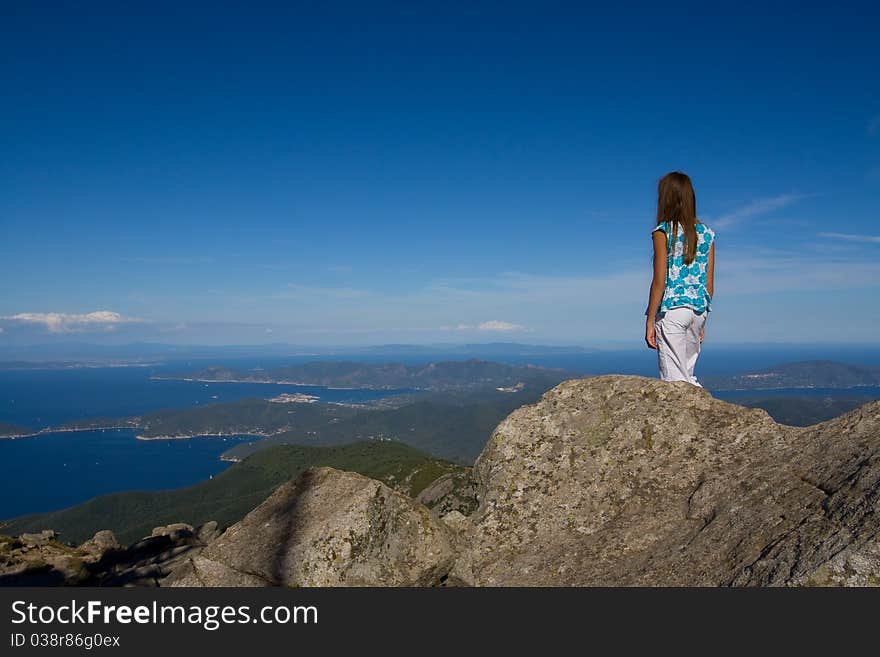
[[496, 325], [849, 237], [72, 322], [757, 208], [493, 325], [761, 274]]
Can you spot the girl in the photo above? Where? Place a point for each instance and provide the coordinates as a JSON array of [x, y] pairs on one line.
[[684, 280]]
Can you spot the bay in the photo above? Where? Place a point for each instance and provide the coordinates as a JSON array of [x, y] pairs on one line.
[[42, 398], [59, 469]]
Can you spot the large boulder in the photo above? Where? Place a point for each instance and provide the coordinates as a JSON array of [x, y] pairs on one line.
[[327, 528], [623, 480], [100, 544]]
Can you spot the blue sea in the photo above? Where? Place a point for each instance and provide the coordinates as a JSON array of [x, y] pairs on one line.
[[42, 398], [56, 470]]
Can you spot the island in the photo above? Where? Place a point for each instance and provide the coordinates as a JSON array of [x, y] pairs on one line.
[[473, 374], [295, 398], [801, 374]]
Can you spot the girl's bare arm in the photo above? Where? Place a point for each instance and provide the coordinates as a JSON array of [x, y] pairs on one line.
[[658, 283]]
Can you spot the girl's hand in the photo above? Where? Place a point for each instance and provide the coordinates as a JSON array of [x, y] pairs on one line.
[[650, 335], [702, 334]]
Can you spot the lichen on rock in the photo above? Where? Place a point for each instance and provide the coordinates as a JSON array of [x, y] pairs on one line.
[[328, 528], [572, 493]]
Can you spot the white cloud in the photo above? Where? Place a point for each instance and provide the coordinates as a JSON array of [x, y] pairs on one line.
[[874, 239], [496, 325], [71, 322], [757, 208], [491, 325], [761, 274]]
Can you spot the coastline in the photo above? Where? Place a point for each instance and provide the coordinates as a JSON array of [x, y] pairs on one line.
[[47, 367], [225, 434], [42, 432], [282, 382], [853, 387]]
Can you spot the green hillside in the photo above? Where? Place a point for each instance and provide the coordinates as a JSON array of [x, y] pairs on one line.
[[446, 429], [230, 495], [801, 374], [803, 411], [243, 416]]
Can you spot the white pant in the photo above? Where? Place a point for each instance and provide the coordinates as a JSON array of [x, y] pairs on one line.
[[678, 343]]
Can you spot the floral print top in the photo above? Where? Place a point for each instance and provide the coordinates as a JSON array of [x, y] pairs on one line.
[[686, 284]]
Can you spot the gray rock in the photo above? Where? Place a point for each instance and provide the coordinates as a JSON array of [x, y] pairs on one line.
[[102, 542], [36, 540], [456, 521], [621, 480], [199, 571], [327, 528], [854, 567], [208, 532], [100, 561], [175, 530], [453, 491]]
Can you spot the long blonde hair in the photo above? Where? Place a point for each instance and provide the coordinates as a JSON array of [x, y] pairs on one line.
[[677, 204]]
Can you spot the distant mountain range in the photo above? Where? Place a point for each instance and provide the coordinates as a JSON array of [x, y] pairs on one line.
[[479, 350], [86, 353], [803, 374]]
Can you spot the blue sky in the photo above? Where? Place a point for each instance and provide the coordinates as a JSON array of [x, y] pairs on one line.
[[452, 172]]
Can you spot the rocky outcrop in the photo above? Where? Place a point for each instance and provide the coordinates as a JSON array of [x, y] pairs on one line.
[[40, 560], [327, 528], [43, 560], [611, 480], [620, 480]]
